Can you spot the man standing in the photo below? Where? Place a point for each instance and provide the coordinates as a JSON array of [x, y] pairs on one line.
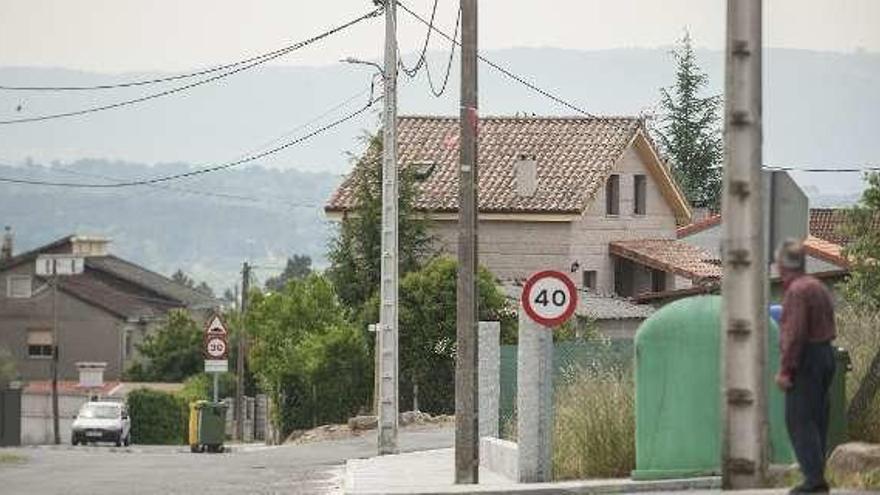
[[807, 364]]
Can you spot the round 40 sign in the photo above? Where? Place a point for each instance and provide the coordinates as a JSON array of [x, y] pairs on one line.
[[549, 298]]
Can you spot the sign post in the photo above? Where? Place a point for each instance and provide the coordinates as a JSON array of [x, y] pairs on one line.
[[216, 350], [549, 299]]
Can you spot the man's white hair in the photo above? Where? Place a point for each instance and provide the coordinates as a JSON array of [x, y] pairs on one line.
[[790, 255]]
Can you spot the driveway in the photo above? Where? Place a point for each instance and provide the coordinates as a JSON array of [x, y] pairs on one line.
[[311, 468]]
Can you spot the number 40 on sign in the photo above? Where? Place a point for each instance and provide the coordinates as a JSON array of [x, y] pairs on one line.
[[549, 298]]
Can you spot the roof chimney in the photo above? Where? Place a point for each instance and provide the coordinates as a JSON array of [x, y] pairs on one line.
[[6, 248], [526, 170], [91, 374]]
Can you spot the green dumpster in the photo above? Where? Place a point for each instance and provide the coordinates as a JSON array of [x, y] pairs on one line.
[[837, 419], [678, 392], [207, 426]]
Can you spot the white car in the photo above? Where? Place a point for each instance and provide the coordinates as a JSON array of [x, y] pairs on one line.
[[102, 422]]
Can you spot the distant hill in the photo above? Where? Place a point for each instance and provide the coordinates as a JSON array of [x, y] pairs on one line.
[[198, 226], [821, 109]]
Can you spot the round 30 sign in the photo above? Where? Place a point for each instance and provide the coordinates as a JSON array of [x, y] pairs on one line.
[[215, 347], [549, 298]]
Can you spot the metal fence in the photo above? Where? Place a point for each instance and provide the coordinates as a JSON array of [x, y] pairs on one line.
[[571, 359]]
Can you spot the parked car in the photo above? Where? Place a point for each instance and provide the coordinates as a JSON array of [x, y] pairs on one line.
[[102, 422]]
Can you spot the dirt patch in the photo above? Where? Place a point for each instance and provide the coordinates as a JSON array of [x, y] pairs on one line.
[[360, 425]]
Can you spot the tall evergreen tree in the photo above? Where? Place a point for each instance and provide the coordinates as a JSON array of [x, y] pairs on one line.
[[355, 250], [689, 130]]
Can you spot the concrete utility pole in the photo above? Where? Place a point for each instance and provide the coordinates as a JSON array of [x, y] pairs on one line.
[[56, 415], [467, 441], [744, 317], [388, 396], [242, 348]]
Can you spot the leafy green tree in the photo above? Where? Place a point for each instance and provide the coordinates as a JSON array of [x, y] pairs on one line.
[[172, 353], [306, 355], [690, 131], [428, 330], [862, 289], [298, 267], [7, 367], [354, 251], [183, 279]]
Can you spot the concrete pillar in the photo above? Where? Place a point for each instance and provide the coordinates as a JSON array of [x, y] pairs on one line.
[[489, 377], [534, 400]]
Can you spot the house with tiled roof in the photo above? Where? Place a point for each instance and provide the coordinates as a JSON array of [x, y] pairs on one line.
[[823, 246], [102, 313], [588, 196]]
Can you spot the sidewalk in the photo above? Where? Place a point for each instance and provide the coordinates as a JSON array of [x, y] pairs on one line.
[[431, 472]]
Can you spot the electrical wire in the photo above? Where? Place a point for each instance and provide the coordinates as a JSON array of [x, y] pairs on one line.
[[422, 60], [145, 82], [438, 93], [502, 70], [867, 168], [178, 89], [206, 170]]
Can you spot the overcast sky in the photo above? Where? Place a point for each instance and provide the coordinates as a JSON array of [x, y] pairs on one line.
[[140, 35]]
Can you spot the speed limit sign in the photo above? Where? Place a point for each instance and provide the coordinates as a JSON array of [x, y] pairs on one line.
[[215, 347], [549, 298]]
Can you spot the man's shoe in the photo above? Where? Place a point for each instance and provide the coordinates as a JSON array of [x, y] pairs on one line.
[[805, 488]]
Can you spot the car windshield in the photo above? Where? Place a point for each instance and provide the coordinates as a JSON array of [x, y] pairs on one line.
[[99, 411]]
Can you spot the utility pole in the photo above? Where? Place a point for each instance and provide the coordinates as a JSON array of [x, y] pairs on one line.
[[744, 317], [56, 416], [388, 369], [467, 456], [242, 348]]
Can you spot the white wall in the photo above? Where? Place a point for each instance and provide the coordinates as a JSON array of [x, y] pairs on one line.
[[36, 417]]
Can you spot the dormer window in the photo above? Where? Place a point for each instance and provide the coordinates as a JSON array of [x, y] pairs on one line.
[[423, 170], [612, 195]]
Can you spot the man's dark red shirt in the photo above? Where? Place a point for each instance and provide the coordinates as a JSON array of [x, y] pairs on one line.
[[807, 317]]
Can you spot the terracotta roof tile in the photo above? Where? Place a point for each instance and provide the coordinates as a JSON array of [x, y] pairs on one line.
[[574, 156], [827, 224], [697, 227], [825, 250], [669, 255]]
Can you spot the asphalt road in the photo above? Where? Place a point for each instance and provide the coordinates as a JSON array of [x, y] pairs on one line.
[[313, 468]]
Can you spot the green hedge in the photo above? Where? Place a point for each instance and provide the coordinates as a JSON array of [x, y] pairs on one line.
[[157, 417]]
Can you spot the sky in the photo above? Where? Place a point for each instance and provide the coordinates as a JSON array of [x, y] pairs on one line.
[[170, 35]]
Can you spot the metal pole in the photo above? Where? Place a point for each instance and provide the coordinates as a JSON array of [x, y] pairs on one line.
[[467, 440], [388, 383], [239, 359], [744, 317], [216, 384], [56, 419]]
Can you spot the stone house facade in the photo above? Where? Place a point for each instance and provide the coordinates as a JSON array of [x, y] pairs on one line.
[[553, 193]]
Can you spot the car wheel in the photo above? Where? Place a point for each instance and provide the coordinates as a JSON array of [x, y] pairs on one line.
[[73, 441], [127, 440], [119, 440]]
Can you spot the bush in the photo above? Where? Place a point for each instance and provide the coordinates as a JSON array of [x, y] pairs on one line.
[[859, 333], [157, 417], [201, 387], [594, 431]]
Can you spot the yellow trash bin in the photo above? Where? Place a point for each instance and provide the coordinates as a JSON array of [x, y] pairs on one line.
[[194, 445]]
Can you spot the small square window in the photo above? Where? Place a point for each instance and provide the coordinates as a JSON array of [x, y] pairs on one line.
[[612, 195], [589, 281], [18, 286], [640, 191], [39, 343]]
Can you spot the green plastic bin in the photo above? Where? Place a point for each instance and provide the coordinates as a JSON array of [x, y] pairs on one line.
[[678, 392], [837, 425], [208, 427]]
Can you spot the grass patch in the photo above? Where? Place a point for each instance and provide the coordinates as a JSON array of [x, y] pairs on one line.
[[859, 333], [594, 431], [869, 480], [7, 458]]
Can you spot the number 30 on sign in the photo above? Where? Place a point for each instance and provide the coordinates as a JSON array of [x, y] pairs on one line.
[[549, 298]]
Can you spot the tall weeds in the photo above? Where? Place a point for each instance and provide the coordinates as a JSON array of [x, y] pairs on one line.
[[859, 333]]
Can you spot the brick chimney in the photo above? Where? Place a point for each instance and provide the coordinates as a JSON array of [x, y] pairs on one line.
[[6, 248], [526, 175]]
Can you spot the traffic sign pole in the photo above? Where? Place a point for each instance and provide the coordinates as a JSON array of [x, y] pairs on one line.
[[549, 299]]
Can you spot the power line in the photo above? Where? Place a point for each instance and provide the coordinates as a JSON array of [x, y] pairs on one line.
[[502, 70], [201, 171], [178, 89], [422, 60], [868, 168], [159, 80], [438, 93]]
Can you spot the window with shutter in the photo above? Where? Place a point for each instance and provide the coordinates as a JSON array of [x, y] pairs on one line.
[[39, 343]]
